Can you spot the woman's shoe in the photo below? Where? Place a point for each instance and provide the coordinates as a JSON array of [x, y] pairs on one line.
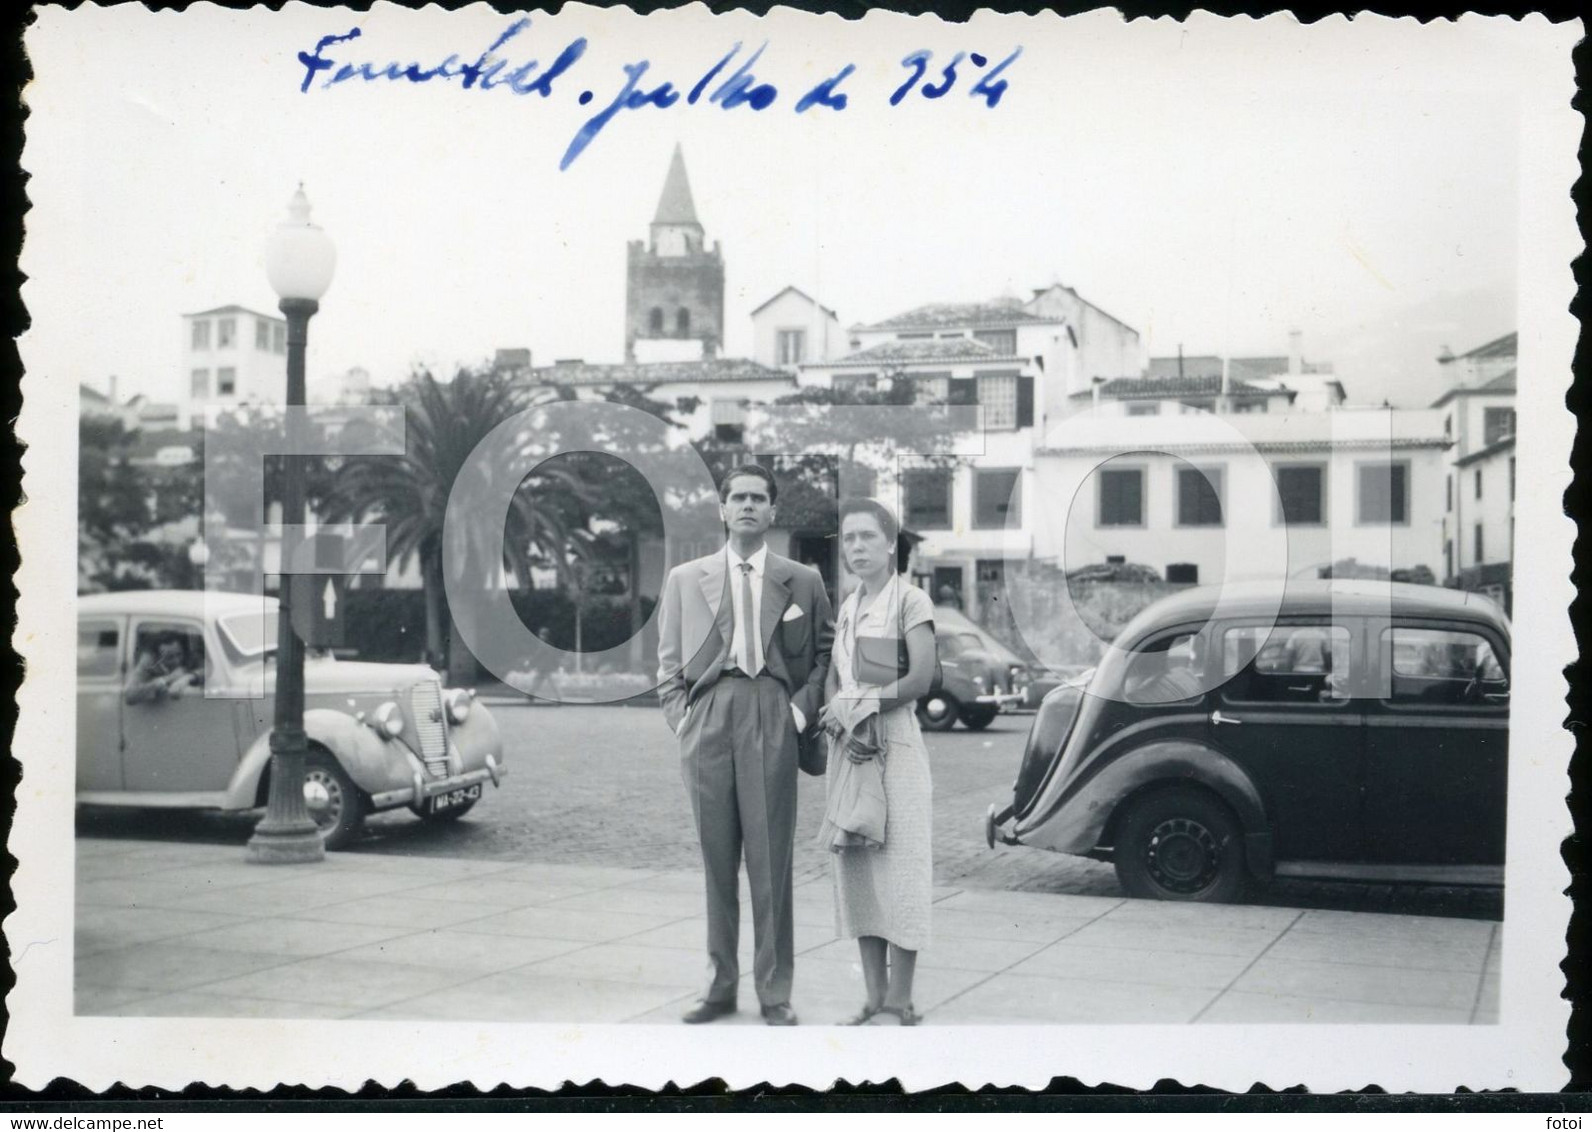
[[862, 1017], [904, 1014]]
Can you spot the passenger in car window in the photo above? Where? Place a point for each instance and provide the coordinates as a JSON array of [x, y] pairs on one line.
[[163, 670]]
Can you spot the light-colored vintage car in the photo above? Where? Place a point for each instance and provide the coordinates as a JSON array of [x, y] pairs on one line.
[[160, 723]]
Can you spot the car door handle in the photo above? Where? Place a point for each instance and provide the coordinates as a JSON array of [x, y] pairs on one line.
[[1218, 717]]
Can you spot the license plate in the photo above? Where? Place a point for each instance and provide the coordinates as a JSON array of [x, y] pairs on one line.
[[437, 803]]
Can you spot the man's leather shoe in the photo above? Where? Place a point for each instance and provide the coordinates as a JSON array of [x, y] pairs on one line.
[[705, 1011], [779, 1015]]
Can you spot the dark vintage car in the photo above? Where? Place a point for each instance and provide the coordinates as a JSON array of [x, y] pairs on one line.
[[174, 708], [982, 677], [1360, 733]]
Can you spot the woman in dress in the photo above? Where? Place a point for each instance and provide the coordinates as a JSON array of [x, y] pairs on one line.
[[882, 895]]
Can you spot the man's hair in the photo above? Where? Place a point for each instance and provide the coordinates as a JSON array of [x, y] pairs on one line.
[[757, 470]]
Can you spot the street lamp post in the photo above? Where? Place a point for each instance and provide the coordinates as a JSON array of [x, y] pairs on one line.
[[299, 263]]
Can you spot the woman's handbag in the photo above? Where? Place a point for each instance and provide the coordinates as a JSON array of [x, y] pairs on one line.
[[881, 660]]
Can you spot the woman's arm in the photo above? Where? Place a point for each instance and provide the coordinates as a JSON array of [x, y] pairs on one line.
[[920, 670]]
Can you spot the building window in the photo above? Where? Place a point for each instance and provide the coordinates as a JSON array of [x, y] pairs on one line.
[[1144, 408], [682, 321], [262, 334], [998, 394], [729, 419], [226, 333], [1301, 491], [1511, 479], [655, 320], [1003, 342], [1448, 427], [1478, 483], [278, 338], [791, 347], [226, 382], [912, 336], [1497, 424], [199, 383], [1183, 574], [1200, 405], [1448, 558], [1383, 494], [1448, 492], [997, 498], [201, 334], [1199, 497], [928, 498], [1249, 406], [931, 388], [1481, 549], [1122, 497]]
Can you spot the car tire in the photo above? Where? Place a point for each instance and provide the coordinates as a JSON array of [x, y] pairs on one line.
[[978, 718], [334, 802], [454, 814], [1180, 845], [937, 712]]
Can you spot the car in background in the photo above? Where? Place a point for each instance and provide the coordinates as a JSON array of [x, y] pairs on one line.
[[174, 710], [1353, 730], [982, 677]]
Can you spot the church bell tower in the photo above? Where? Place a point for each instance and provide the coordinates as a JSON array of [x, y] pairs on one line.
[[674, 283]]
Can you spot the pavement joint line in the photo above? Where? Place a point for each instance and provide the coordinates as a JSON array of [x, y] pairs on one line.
[[1024, 959], [1481, 980], [1247, 968]]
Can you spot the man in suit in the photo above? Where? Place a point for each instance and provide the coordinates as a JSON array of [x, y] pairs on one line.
[[743, 649]]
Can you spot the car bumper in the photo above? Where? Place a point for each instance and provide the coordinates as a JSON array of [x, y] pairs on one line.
[[420, 789], [1005, 701]]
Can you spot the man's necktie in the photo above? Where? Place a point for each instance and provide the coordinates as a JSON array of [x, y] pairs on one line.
[[750, 663]]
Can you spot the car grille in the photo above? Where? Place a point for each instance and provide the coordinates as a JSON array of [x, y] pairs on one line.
[[431, 728]]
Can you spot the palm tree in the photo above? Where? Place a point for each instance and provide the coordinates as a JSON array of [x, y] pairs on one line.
[[408, 494]]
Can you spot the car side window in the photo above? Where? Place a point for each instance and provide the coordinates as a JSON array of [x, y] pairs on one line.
[[98, 650], [1164, 669], [1443, 666], [1286, 664], [168, 660]]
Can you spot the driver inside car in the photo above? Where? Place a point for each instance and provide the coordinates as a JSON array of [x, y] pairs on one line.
[[162, 672]]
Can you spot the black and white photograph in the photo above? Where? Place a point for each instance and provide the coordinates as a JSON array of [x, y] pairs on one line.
[[658, 547]]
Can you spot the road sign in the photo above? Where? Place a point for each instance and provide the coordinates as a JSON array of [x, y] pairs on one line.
[[318, 599]]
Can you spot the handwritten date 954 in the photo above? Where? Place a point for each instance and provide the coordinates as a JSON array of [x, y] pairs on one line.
[[728, 83]]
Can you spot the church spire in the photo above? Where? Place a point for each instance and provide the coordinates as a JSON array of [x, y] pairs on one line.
[[675, 206]]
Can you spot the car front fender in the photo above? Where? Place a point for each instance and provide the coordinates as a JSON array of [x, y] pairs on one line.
[[1078, 824], [375, 764]]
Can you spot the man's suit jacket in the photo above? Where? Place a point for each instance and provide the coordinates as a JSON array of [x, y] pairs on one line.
[[696, 607]]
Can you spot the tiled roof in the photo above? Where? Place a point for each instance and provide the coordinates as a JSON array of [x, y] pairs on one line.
[[1505, 347], [1241, 369], [920, 350], [675, 206], [1272, 447], [937, 316], [89, 393], [1160, 388], [656, 373], [1504, 444], [1503, 383]]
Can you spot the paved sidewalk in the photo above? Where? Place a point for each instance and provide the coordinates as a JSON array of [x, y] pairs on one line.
[[194, 930]]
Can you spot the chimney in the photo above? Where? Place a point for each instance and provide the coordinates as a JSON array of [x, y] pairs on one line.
[[1295, 349], [110, 389]]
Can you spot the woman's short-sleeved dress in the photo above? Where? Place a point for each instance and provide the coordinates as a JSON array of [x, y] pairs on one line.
[[886, 892]]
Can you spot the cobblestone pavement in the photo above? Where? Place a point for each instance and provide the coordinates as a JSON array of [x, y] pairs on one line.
[[601, 786]]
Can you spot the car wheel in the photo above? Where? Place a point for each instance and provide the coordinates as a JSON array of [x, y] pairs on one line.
[[937, 712], [454, 814], [1180, 845], [978, 718], [332, 800]]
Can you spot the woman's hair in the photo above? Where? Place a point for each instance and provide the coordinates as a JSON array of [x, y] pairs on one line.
[[888, 525]]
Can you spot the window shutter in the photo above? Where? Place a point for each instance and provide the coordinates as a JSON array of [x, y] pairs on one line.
[[964, 391], [1025, 402]]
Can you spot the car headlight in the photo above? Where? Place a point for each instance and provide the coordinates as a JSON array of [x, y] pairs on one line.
[[459, 701], [388, 720]]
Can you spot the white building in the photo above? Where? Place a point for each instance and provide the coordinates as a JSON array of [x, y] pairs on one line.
[[792, 329], [1478, 414], [231, 356]]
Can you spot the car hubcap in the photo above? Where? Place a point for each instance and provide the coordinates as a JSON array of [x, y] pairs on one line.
[[323, 797], [936, 709], [1183, 856]]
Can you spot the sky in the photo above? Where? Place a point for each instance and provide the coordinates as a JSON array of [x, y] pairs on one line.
[[1213, 185]]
